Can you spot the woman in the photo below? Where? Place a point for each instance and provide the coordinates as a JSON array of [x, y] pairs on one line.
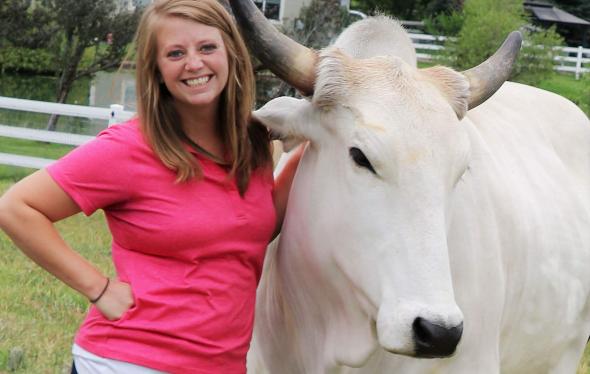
[[188, 193]]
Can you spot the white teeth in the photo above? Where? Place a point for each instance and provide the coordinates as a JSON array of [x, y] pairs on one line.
[[198, 81]]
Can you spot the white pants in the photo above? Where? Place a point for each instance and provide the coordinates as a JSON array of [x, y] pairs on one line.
[[88, 363]]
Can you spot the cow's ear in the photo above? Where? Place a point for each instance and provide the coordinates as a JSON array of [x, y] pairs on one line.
[[453, 86], [290, 118]]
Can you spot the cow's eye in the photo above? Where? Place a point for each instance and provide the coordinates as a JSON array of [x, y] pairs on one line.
[[360, 159]]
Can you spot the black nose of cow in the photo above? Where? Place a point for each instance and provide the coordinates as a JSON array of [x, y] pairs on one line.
[[434, 340]]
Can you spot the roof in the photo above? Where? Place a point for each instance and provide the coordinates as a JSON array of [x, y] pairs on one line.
[[548, 13]]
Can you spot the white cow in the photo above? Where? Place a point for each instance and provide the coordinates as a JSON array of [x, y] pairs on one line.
[[411, 220]]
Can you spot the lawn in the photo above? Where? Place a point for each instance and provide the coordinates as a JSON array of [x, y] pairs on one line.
[[38, 314], [566, 85]]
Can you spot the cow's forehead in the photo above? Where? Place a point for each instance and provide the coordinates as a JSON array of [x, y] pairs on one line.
[[380, 92], [345, 80]]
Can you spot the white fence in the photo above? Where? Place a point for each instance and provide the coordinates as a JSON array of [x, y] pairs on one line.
[[113, 114], [571, 59]]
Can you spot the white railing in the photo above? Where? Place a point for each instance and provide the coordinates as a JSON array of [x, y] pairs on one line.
[[571, 64], [425, 44], [571, 59], [114, 114]]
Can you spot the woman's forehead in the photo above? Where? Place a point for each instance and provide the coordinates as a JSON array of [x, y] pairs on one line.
[[174, 30]]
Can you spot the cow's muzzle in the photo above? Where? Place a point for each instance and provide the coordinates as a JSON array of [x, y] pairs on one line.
[[433, 340]]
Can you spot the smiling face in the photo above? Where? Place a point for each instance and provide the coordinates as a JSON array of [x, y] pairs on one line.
[[192, 61]]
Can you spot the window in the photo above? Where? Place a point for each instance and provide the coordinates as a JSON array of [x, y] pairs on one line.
[[270, 8]]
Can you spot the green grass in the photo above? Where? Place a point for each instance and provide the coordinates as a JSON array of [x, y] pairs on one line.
[[39, 314], [584, 367], [33, 148], [27, 148], [566, 85]]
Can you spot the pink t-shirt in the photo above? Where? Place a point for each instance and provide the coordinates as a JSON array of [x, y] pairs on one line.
[[192, 253]]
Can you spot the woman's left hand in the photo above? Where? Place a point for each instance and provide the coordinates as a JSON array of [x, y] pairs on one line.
[[116, 300]]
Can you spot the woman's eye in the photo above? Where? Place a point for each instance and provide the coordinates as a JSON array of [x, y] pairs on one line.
[[175, 54], [360, 159], [209, 48]]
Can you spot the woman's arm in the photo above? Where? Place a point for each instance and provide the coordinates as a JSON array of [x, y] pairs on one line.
[[27, 213], [283, 185]]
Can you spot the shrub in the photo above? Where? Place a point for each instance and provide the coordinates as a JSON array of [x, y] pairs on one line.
[[536, 59], [36, 61], [486, 24], [448, 24]]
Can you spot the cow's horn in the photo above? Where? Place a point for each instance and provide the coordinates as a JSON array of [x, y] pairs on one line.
[[289, 60], [487, 77]]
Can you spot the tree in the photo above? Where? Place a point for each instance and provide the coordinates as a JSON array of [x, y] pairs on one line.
[[92, 26], [20, 24], [81, 36]]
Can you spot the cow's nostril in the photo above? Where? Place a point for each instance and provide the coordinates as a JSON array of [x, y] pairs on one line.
[[434, 340]]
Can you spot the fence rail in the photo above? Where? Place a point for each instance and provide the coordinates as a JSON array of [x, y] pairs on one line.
[[574, 60], [114, 114]]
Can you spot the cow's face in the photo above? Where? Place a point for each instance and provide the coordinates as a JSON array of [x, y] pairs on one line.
[[386, 152]]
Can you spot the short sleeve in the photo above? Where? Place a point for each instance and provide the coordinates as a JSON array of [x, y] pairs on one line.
[[97, 174]]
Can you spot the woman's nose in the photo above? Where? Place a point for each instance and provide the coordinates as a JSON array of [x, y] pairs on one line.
[[193, 63]]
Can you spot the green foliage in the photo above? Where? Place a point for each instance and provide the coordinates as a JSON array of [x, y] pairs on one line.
[[19, 59], [445, 23], [24, 25], [536, 59], [68, 38], [406, 9], [486, 24]]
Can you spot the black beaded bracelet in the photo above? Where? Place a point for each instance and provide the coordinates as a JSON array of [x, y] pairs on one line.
[[102, 293]]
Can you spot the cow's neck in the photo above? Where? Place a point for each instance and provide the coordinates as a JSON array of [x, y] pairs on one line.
[[310, 315]]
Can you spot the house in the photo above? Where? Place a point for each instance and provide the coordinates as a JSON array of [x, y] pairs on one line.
[[575, 30]]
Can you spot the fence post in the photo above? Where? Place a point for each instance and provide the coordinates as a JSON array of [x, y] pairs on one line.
[[579, 62], [116, 110]]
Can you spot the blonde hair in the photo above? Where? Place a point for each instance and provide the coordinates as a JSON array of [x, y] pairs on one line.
[[248, 144]]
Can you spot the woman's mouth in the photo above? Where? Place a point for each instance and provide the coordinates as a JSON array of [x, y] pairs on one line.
[[196, 82]]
